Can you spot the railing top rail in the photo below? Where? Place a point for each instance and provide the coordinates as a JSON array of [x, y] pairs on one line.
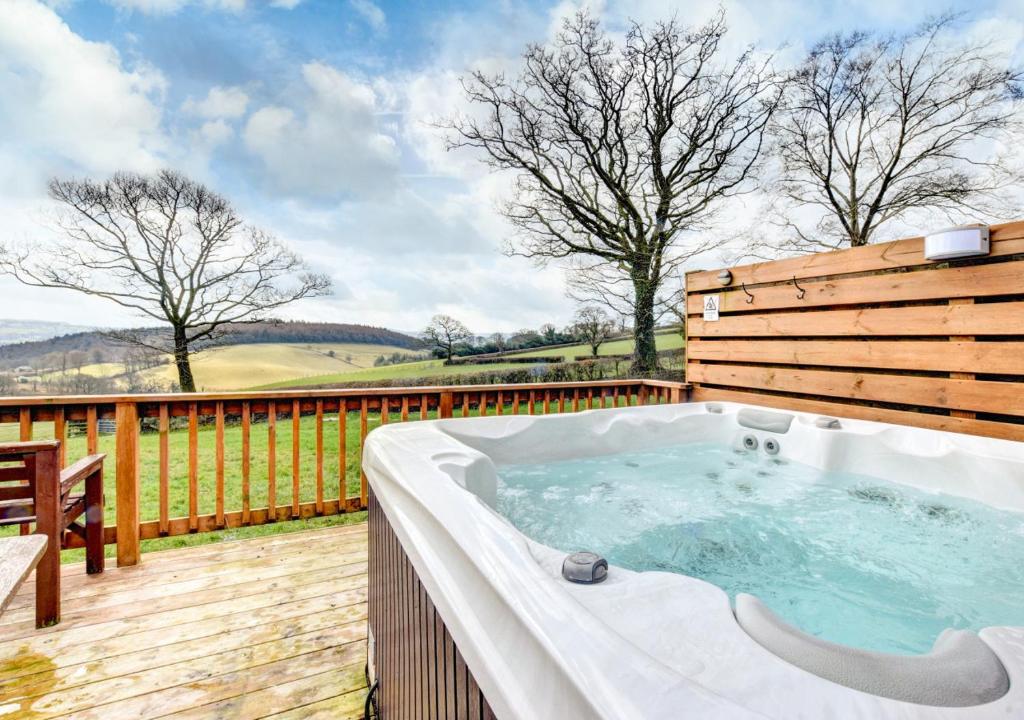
[[46, 400]]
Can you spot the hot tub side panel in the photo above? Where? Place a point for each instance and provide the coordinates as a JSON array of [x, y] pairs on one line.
[[420, 671]]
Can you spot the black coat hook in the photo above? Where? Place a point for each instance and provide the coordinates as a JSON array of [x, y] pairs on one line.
[[750, 298], [799, 295]]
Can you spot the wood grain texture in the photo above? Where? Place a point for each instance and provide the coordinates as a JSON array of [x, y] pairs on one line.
[[19, 556], [1006, 239], [927, 284], [420, 670], [954, 356], [877, 327], [265, 638]]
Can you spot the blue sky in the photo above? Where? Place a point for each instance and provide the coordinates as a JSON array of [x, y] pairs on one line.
[[314, 116]]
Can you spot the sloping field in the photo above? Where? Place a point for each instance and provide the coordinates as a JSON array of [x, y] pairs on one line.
[[236, 367], [242, 366], [419, 369]]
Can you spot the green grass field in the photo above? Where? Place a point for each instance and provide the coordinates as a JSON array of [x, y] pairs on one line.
[[236, 367]]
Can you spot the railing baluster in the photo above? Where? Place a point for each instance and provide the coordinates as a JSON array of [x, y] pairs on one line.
[[515, 402], [424, 407], [193, 467], [219, 442], [590, 398], [533, 402], [319, 456], [246, 422], [385, 410], [547, 401], [92, 434], [465, 404], [483, 403], [575, 399], [271, 461], [296, 448], [499, 405], [164, 430], [561, 401], [342, 451], [25, 424], [405, 408], [363, 494], [127, 483], [60, 433], [615, 397]]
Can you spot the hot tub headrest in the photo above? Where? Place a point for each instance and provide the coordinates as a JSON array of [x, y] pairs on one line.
[[960, 671], [775, 422]]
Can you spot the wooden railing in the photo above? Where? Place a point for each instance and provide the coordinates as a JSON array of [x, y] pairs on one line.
[[193, 463]]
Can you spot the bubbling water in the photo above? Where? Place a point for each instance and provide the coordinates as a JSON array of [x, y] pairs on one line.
[[849, 558]]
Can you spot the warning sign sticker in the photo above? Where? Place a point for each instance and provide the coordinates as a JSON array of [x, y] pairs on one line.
[[711, 305]]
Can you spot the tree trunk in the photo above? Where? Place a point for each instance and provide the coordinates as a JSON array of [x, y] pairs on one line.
[[181, 361], [645, 353]]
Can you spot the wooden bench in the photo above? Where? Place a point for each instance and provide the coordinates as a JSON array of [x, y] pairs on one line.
[[33, 489], [18, 558]]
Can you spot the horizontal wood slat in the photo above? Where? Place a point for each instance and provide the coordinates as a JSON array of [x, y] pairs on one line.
[[878, 332], [984, 319], [982, 396], [987, 428], [1006, 239], [1006, 278], [969, 357]]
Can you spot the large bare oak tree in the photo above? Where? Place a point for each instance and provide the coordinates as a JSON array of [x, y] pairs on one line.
[[877, 128], [620, 148], [444, 333], [170, 249]]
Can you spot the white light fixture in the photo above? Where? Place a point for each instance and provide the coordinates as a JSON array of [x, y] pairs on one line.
[[724, 278], [959, 242]]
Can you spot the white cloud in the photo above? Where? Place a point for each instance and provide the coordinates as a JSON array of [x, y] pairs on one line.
[[371, 13], [285, 4], [68, 104], [169, 7], [333, 143], [220, 102]]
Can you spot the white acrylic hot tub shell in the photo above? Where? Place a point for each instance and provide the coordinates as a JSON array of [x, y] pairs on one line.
[[642, 645]]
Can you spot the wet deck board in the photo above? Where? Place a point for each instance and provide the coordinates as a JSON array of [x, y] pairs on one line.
[[268, 627]]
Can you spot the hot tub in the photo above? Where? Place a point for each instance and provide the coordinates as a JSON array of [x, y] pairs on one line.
[[473, 613]]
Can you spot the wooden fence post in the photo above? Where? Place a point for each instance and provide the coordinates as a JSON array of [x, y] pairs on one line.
[[127, 481]]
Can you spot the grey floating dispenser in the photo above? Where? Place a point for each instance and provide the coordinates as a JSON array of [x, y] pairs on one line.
[[586, 568]]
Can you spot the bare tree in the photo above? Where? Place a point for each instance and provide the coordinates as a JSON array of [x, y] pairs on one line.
[[593, 327], [875, 128], [444, 333], [170, 249], [620, 149]]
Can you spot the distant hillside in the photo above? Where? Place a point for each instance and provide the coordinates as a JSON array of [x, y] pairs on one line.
[[96, 348], [17, 331]]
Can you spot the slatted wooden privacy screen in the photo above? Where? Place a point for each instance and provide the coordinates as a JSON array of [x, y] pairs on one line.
[[875, 333]]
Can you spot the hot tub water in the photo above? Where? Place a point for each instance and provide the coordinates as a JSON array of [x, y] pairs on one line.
[[850, 558]]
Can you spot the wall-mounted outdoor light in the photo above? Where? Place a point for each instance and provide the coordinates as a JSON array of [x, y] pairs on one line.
[[724, 278], [959, 242]]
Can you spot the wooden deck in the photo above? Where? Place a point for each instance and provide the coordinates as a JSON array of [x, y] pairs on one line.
[[265, 628]]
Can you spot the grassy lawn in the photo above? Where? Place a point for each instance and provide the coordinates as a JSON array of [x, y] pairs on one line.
[[178, 480]]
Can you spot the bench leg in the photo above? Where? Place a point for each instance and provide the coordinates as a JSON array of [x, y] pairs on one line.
[[49, 518], [94, 523]]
